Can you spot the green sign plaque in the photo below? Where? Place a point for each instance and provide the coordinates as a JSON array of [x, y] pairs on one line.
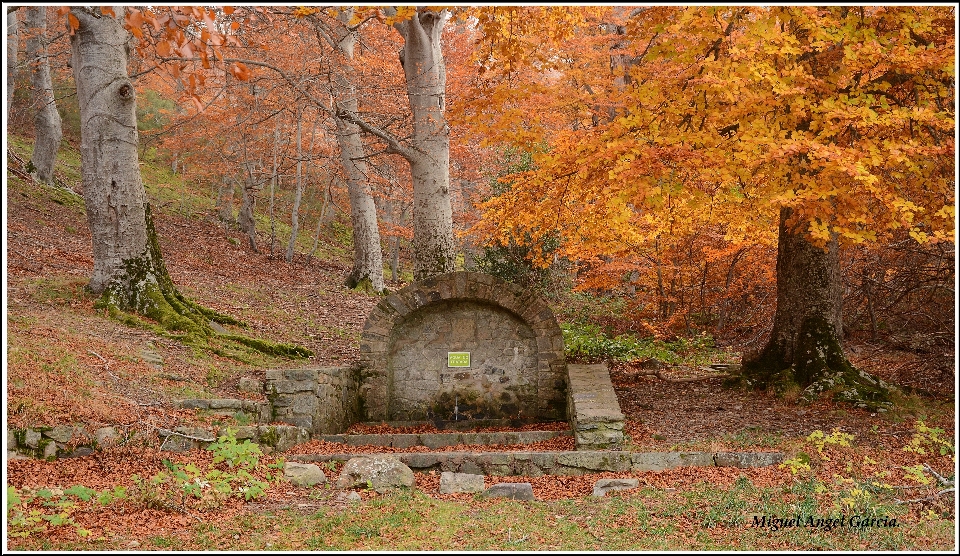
[[458, 359]]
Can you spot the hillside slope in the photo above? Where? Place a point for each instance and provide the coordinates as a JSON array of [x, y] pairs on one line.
[[67, 363]]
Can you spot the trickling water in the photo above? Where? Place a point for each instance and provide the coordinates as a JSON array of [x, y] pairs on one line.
[[456, 407]]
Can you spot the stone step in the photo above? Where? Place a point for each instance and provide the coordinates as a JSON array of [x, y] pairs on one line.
[[535, 464], [440, 440], [257, 412]]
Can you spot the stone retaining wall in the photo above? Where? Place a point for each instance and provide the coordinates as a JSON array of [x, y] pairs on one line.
[[321, 400], [439, 440], [258, 412], [517, 368], [536, 464], [65, 441]]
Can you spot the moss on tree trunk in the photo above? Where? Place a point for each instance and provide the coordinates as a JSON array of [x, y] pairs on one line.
[[143, 287], [804, 349], [818, 368]]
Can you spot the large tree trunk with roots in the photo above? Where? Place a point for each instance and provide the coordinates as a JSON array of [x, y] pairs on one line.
[[367, 256], [804, 348], [129, 273], [47, 119], [423, 67]]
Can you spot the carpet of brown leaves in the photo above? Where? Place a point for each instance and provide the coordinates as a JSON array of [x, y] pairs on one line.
[[69, 364]]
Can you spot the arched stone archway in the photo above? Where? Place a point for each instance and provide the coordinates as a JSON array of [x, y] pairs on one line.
[[516, 365]]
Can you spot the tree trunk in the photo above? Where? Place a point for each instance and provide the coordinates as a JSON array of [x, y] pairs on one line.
[[273, 182], [128, 269], [13, 46], [367, 255], [423, 66], [298, 194], [321, 220], [129, 273], [395, 220], [113, 191], [47, 119], [225, 202], [246, 219], [804, 348]]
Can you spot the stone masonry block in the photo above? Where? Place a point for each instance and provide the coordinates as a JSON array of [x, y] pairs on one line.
[[301, 374], [398, 304], [747, 459], [226, 404]]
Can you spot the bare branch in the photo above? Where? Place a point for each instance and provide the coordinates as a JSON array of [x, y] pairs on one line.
[[392, 142]]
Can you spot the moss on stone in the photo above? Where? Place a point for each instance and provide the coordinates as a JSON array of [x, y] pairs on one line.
[[269, 437], [819, 368]]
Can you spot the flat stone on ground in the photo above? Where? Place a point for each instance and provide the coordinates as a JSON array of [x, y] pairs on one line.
[[303, 474], [603, 486], [513, 491], [451, 483], [381, 473]]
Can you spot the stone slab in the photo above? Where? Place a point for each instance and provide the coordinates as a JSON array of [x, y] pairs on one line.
[[513, 491], [593, 408], [554, 463], [603, 486], [451, 483], [440, 440], [659, 461], [747, 459]]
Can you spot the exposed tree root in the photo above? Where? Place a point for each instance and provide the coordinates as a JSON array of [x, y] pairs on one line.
[[652, 367], [143, 288], [819, 368]]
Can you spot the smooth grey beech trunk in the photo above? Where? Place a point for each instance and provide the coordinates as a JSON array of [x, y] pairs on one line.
[[367, 254], [13, 46], [112, 187], [273, 181], [298, 192], [46, 120], [423, 67]]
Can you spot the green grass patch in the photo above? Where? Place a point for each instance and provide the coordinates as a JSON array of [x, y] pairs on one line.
[[701, 516], [586, 342]]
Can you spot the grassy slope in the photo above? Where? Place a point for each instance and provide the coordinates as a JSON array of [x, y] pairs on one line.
[[66, 363]]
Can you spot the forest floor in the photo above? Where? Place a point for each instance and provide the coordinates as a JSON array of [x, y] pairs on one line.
[[67, 363]]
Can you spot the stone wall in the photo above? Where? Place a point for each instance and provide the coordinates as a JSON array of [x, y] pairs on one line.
[[321, 400], [595, 415], [517, 369], [536, 464]]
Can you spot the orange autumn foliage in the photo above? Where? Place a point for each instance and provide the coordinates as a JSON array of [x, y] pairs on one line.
[[662, 123]]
